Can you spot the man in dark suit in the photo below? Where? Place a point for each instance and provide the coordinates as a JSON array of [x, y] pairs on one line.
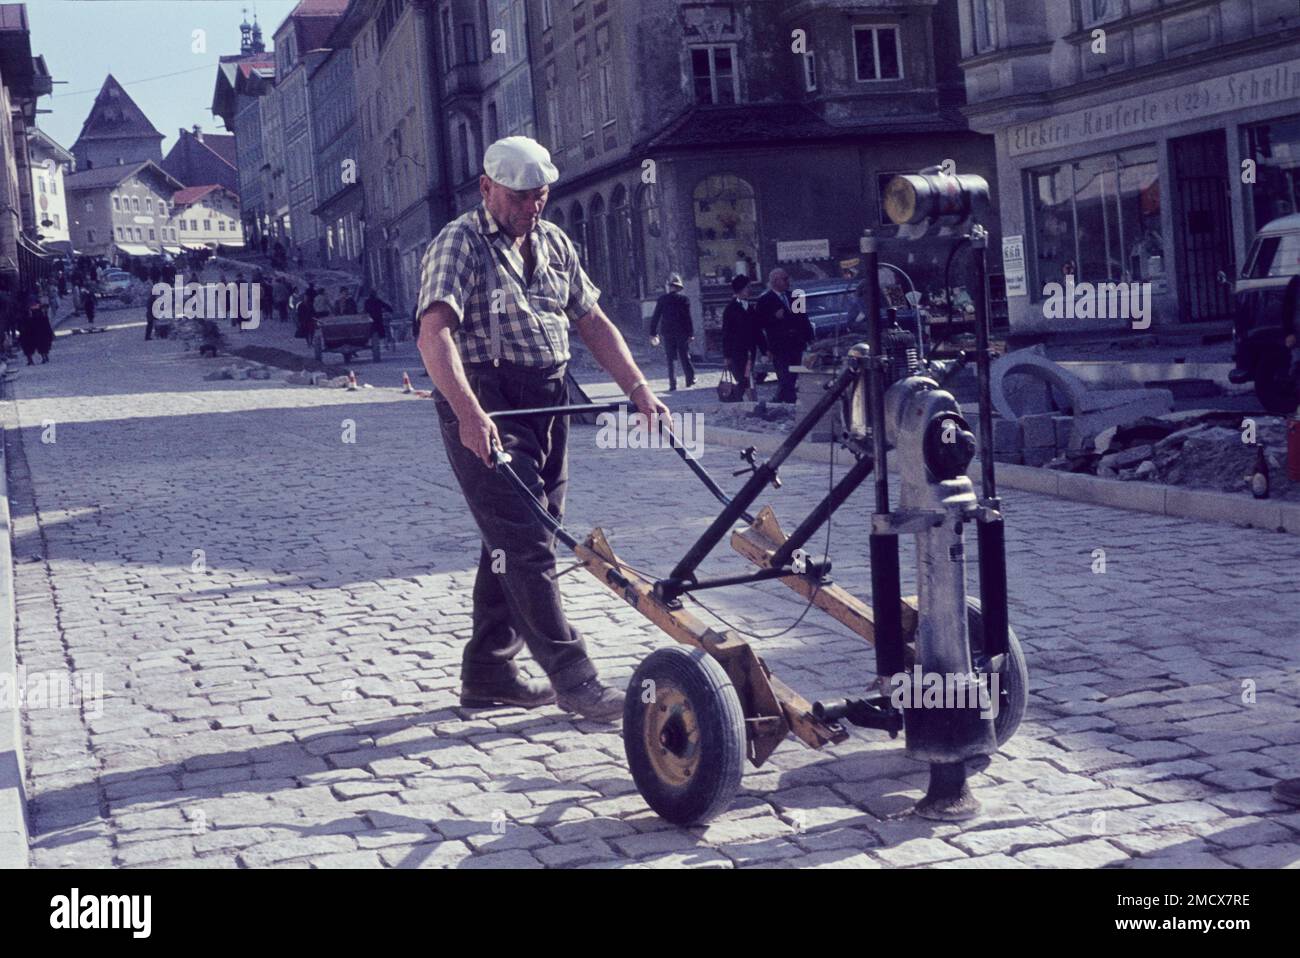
[[742, 339], [788, 332], [674, 310]]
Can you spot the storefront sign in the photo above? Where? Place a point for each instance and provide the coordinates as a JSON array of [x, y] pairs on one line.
[[1236, 91], [1013, 265], [795, 250]]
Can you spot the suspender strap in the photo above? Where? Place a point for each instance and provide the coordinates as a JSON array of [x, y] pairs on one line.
[[488, 265]]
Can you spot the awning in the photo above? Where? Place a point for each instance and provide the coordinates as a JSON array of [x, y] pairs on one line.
[[171, 249], [194, 245], [132, 249]]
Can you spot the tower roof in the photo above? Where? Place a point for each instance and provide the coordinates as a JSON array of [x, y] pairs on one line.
[[115, 116]]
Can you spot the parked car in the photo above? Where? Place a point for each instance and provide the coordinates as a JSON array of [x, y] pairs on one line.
[[1267, 300], [114, 282]]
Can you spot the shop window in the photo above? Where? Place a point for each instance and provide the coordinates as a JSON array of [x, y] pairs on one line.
[[1098, 219], [1275, 148]]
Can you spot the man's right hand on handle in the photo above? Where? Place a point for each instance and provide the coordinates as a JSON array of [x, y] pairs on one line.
[[478, 434]]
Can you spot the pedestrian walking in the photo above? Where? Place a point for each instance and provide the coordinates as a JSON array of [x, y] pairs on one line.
[[307, 315], [34, 332], [282, 300], [742, 339], [674, 310], [482, 359], [787, 331], [88, 304], [375, 309]]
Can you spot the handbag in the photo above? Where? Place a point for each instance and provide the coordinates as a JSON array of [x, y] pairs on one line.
[[728, 389]]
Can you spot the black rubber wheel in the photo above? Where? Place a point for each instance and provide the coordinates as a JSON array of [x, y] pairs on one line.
[[1277, 392], [684, 734], [318, 346], [1013, 682]]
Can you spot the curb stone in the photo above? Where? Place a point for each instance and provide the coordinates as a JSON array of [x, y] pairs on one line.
[[13, 794]]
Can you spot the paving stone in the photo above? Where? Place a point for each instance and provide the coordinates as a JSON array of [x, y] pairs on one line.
[[918, 851]]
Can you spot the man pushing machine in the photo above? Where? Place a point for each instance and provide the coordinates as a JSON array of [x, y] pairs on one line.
[[499, 290]]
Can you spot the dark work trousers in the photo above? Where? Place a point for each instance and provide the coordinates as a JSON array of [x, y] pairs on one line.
[[785, 379], [519, 603], [679, 349]]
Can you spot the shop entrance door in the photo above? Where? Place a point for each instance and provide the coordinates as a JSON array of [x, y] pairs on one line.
[[1202, 225]]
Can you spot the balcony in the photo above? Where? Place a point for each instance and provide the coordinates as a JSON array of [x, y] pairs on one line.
[[463, 80]]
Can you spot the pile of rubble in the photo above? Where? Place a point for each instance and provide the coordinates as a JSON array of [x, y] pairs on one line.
[[1044, 411], [1048, 417]]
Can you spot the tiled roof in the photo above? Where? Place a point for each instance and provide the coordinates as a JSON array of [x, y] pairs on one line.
[[100, 176], [192, 194]]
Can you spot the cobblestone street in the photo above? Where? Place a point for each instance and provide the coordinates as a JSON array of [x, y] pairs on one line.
[[277, 615]]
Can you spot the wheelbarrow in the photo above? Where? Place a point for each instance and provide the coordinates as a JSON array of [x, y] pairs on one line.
[[697, 711]]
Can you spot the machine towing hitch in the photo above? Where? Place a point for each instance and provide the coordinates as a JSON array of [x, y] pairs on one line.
[[950, 673]]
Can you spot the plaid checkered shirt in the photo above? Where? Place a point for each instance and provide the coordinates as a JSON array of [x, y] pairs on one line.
[[471, 264]]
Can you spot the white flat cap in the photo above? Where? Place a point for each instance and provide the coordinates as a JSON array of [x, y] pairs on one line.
[[519, 163]]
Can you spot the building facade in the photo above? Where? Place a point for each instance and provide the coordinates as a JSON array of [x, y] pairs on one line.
[[23, 79], [339, 192], [50, 163], [123, 210], [1137, 141], [402, 150], [243, 80], [486, 81], [205, 217], [694, 136], [200, 158], [299, 45]]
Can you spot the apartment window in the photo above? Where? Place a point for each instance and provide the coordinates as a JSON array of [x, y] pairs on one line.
[[606, 93], [148, 204], [116, 204], [135, 204], [447, 38], [553, 117], [584, 100], [41, 181], [119, 232], [55, 217], [982, 17], [462, 138], [207, 226], [468, 43], [487, 29], [54, 186], [221, 226], [162, 208], [138, 235], [877, 53], [90, 236], [714, 72], [151, 234], [810, 71], [1094, 11]]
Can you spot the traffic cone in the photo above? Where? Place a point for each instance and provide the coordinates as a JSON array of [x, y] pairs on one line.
[[406, 383], [352, 381]]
